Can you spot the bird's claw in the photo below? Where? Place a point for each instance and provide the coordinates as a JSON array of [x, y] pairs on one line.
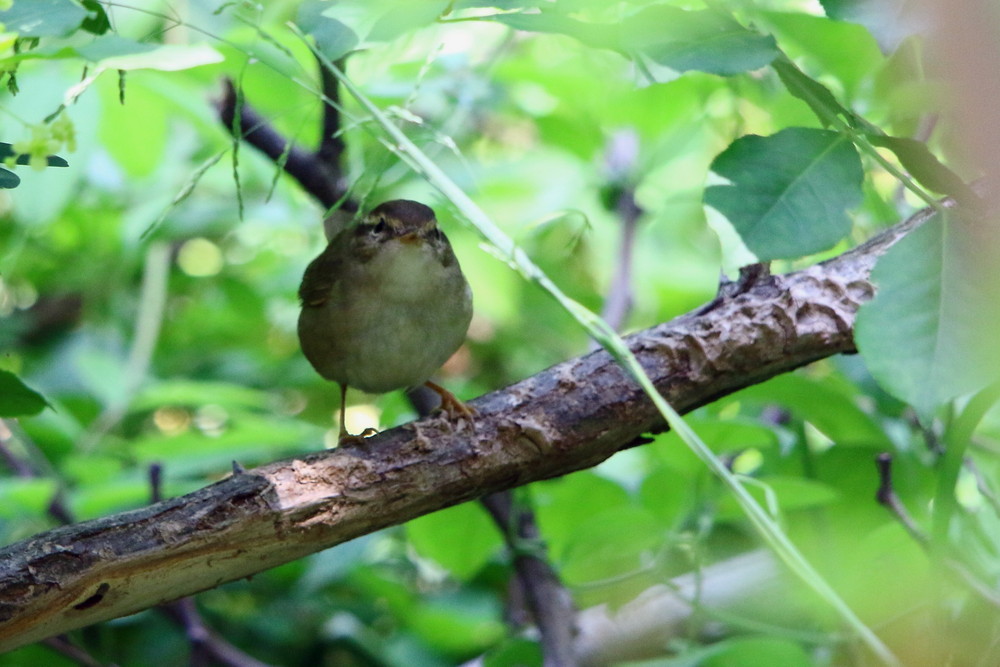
[[350, 439]]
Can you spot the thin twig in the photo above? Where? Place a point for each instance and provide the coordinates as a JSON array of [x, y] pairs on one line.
[[207, 648], [622, 153], [313, 173], [886, 496], [22, 467], [548, 600], [65, 647]]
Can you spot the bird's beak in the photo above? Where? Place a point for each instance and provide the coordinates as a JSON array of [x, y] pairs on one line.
[[411, 237]]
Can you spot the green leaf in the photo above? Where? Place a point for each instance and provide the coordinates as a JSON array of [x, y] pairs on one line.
[[922, 165], [890, 21], [819, 44], [333, 38], [7, 151], [16, 399], [705, 40], [611, 543], [683, 40], [789, 192], [829, 405], [791, 493], [116, 52], [245, 437], [112, 495], [464, 622], [765, 650], [43, 18], [520, 652], [600, 35], [20, 497], [405, 17], [8, 179], [930, 333], [460, 539], [195, 393], [98, 23], [819, 98], [562, 506]]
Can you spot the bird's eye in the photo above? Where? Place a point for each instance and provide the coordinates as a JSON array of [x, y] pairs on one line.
[[380, 227], [437, 234]]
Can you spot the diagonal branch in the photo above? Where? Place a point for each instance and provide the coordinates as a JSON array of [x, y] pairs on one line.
[[569, 417], [318, 173]]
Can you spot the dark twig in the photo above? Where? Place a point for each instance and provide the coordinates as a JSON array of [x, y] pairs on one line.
[[65, 647], [546, 597], [21, 467], [886, 496], [620, 158], [155, 483], [58, 510], [331, 146], [619, 299], [314, 174], [207, 647]]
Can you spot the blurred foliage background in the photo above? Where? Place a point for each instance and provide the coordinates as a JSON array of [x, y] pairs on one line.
[[148, 292]]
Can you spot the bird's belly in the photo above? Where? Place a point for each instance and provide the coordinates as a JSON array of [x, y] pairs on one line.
[[380, 335]]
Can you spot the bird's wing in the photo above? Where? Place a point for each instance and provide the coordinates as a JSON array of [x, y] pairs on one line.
[[319, 278]]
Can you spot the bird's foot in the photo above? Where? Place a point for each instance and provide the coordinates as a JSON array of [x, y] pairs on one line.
[[350, 439], [450, 404]]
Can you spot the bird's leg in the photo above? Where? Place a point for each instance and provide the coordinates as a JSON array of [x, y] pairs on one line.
[[450, 404], [346, 438]]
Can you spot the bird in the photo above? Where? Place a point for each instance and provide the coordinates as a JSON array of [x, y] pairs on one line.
[[385, 305]]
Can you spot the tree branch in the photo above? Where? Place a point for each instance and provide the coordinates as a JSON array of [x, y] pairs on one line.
[[318, 173], [569, 417], [549, 601]]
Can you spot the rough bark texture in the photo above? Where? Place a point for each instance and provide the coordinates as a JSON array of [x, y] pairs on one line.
[[566, 418]]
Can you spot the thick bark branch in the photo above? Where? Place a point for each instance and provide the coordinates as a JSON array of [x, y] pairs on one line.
[[567, 418]]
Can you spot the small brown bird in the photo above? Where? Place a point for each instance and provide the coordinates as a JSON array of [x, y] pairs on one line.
[[385, 305]]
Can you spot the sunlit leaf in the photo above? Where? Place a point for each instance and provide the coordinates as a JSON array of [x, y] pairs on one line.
[[818, 42], [790, 494], [819, 98], [460, 539], [117, 52], [333, 37], [764, 650], [681, 39], [22, 497], [7, 150], [404, 17], [705, 40], [43, 18]]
